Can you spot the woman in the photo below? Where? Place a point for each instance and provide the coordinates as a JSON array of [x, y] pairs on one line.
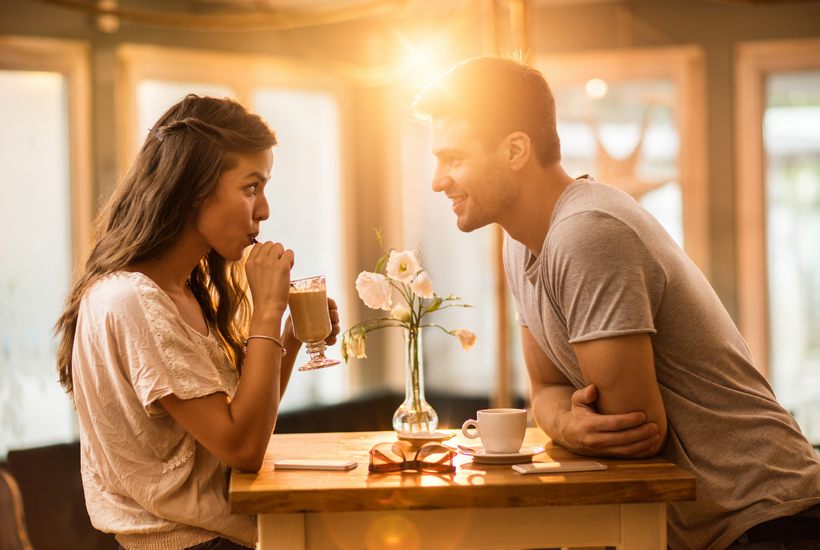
[[154, 331]]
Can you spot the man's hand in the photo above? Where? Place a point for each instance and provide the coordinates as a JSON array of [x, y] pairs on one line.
[[584, 431]]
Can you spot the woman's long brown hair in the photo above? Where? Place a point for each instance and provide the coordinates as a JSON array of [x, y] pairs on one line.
[[177, 167]]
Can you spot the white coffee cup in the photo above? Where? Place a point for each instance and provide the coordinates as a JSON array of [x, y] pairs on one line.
[[500, 430]]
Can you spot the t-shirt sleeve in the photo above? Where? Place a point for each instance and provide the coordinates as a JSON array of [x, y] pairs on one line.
[[603, 277], [159, 353]]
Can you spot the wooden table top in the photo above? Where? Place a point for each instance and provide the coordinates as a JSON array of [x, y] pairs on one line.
[[471, 486]]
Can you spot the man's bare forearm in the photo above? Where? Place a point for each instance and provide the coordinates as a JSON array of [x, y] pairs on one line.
[[550, 404]]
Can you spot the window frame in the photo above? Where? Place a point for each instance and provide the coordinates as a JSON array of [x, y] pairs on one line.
[[754, 61], [684, 65], [69, 58]]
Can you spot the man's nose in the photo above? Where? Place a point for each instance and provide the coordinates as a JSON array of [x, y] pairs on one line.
[[441, 181]]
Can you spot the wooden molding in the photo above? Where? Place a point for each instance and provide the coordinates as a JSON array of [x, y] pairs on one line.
[[71, 59], [753, 62]]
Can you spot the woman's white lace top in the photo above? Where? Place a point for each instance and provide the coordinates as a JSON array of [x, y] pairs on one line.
[[145, 478]]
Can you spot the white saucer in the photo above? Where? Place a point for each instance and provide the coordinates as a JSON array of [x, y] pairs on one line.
[[480, 456], [420, 438]]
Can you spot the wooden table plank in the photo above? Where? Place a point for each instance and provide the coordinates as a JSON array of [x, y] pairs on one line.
[[472, 486]]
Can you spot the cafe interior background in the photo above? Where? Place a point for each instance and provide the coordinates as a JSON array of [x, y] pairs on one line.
[[707, 111]]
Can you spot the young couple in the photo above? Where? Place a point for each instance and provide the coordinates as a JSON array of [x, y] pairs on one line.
[[629, 351]]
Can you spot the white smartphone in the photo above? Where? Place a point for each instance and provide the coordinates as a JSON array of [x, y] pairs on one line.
[[555, 467], [313, 464]]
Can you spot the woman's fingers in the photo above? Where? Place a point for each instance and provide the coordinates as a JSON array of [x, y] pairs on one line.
[[268, 271], [287, 256], [333, 311], [270, 251]]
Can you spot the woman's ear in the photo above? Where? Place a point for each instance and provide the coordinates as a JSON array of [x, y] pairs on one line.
[[197, 204], [518, 149]]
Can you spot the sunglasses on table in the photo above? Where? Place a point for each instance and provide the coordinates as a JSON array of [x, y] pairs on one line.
[[398, 456]]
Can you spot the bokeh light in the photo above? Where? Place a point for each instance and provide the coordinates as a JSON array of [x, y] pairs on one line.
[[596, 88]]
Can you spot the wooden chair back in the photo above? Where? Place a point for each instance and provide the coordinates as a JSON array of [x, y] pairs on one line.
[[13, 534]]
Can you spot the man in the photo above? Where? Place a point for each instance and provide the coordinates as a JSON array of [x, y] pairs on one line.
[[629, 350]]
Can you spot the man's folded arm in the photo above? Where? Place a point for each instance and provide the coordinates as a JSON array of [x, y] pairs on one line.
[[622, 368], [569, 415]]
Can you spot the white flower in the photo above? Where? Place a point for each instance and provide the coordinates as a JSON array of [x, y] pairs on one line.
[[400, 312], [466, 337], [355, 346], [422, 285], [403, 266], [374, 290]]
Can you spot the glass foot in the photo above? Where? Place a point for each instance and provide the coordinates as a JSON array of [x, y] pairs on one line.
[[318, 363]]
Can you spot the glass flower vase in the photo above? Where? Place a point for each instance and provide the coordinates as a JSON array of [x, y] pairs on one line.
[[415, 414]]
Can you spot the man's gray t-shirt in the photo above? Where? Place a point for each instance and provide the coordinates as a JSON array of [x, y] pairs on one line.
[[608, 268]]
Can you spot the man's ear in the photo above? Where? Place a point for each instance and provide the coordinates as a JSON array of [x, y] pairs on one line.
[[517, 150]]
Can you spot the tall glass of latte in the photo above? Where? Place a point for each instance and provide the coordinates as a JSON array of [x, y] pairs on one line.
[[311, 319]]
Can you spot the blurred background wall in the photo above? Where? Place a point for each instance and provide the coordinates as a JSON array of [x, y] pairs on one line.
[[705, 110]]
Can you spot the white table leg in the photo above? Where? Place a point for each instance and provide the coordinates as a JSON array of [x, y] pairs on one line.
[[643, 527], [281, 531]]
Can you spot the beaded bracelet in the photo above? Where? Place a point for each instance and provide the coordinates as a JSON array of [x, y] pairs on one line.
[[273, 339]]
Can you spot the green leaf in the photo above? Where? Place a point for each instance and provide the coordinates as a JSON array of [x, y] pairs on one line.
[[381, 264], [433, 305], [344, 347]]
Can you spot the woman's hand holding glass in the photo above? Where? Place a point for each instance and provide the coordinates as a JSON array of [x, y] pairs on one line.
[[268, 272], [293, 344], [315, 319], [333, 311]]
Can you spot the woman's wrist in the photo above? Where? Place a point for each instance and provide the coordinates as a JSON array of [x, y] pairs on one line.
[[273, 339], [266, 324]]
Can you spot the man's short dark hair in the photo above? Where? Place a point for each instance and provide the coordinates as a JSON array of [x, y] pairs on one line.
[[496, 96]]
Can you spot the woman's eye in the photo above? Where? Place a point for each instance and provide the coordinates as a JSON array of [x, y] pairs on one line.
[[253, 188]]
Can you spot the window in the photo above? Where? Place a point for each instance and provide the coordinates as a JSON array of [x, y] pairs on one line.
[[635, 119], [458, 263], [779, 219], [44, 218], [627, 137], [306, 187]]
